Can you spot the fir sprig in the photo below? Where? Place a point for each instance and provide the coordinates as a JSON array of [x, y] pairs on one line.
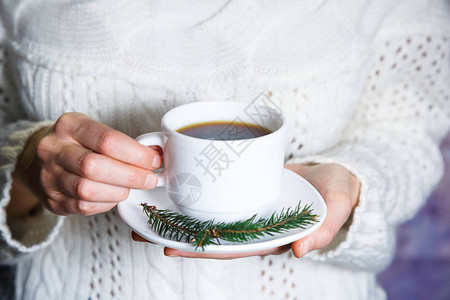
[[178, 227]]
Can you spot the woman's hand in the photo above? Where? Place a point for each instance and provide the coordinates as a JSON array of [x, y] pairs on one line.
[[339, 188], [80, 166]]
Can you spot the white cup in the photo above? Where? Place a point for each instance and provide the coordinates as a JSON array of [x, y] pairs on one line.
[[225, 180]]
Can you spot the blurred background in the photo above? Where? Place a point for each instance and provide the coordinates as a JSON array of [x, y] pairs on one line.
[[421, 268]]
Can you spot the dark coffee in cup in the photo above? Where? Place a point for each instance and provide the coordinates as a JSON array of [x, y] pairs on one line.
[[224, 130]]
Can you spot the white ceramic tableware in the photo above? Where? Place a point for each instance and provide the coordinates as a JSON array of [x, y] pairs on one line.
[[294, 189], [225, 180]]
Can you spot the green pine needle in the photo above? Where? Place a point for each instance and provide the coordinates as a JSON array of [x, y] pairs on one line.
[[200, 234]]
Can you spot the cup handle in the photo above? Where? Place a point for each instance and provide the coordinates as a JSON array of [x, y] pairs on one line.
[[150, 139]]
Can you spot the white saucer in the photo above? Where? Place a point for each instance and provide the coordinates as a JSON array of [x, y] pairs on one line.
[[295, 188]]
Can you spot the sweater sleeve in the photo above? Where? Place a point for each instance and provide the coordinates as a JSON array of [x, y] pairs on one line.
[[392, 141], [18, 235]]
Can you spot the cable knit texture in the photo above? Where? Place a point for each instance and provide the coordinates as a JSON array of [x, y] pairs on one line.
[[364, 84]]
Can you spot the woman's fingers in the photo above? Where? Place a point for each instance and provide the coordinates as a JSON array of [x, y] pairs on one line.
[[340, 190], [78, 187], [105, 140], [85, 167], [69, 206], [104, 169], [87, 208], [137, 238], [338, 210], [178, 253]]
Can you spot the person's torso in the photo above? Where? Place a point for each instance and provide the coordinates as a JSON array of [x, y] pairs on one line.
[[126, 63]]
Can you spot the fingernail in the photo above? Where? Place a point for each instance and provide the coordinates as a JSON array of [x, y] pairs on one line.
[[136, 240], [85, 205], [171, 255], [156, 161], [305, 247], [150, 181]]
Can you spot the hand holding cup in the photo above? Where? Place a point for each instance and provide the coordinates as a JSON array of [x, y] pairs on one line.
[[80, 166]]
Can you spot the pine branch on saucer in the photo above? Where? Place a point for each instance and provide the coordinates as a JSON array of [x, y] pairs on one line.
[[178, 227]]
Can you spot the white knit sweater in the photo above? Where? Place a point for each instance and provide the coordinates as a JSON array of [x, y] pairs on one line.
[[363, 83]]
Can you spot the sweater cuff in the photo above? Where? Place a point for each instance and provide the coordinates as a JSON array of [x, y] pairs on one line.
[[366, 241], [19, 235]]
